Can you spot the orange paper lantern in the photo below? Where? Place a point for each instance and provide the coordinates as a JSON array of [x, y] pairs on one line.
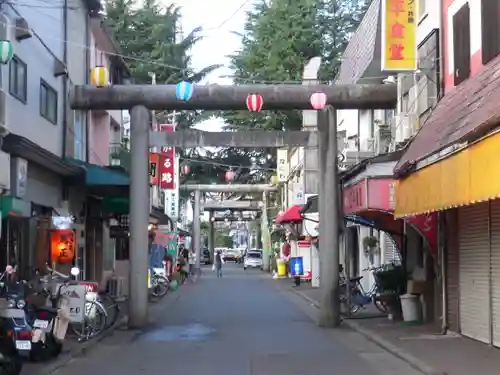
[[62, 245]]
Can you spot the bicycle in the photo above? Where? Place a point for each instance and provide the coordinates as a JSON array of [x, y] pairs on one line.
[[159, 285], [112, 308], [359, 297]]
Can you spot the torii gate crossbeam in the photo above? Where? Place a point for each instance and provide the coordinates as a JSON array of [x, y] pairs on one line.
[[142, 98]]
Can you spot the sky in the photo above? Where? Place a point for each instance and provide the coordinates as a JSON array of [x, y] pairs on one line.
[[218, 18]]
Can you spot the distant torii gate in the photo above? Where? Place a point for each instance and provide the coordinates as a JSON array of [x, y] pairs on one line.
[[140, 98]]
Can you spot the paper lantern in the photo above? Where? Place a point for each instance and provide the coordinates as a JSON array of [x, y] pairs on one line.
[[184, 91], [185, 169], [318, 100], [229, 176], [6, 51], [254, 102], [99, 76], [62, 245]]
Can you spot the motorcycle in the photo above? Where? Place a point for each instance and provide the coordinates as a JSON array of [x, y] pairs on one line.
[[15, 332], [49, 318]]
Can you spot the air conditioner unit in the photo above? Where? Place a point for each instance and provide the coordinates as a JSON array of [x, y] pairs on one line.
[[405, 126], [115, 286]]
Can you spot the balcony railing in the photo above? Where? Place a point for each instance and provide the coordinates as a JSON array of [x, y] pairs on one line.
[[119, 156]]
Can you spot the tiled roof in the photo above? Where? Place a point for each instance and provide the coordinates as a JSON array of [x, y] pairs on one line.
[[360, 51], [468, 112]]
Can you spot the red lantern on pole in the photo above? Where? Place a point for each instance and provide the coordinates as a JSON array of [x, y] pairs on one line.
[[254, 102], [229, 176], [185, 169], [318, 100]]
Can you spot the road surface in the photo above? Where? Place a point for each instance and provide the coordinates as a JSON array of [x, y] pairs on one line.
[[240, 324]]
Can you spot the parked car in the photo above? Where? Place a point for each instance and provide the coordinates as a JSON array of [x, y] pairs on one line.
[[253, 259], [205, 256], [230, 255]]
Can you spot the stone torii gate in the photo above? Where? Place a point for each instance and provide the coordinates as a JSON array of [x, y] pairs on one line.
[[222, 206], [139, 99]]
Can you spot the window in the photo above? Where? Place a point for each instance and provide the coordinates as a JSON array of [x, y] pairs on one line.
[[461, 44], [108, 263], [490, 29], [422, 9], [80, 125], [18, 79], [48, 102]]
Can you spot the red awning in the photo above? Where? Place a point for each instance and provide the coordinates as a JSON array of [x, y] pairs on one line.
[[291, 215]]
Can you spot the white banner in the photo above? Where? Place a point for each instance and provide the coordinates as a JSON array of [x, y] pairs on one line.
[[298, 194], [283, 166]]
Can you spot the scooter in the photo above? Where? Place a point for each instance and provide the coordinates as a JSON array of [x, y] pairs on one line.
[[15, 332], [49, 320]]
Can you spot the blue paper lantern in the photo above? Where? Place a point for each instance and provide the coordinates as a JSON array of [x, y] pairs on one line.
[[184, 91]]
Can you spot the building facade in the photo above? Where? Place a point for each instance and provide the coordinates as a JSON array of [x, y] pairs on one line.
[[452, 161]]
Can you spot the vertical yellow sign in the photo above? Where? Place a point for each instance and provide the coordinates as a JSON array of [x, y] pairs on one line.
[[399, 35]]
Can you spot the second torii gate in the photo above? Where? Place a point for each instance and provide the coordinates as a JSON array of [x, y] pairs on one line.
[[140, 98]]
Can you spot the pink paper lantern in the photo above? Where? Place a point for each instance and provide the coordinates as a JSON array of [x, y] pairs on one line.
[[185, 169], [229, 176], [318, 100], [254, 102]]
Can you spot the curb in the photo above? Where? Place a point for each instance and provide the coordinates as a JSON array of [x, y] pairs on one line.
[[83, 348], [80, 350], [413, 361]]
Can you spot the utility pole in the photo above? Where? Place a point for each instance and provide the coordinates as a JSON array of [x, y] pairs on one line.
[[211, 235], [329, 312], [197, 230], [139, 214], [265, 233]]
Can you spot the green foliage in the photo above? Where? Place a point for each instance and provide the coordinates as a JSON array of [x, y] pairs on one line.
[[280, 38], [148, 36]]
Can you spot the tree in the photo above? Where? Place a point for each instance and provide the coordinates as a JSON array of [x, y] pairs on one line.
[[148, 37], [280, 38]]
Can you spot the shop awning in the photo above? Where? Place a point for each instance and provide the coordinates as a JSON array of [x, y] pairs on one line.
[[469, 176], [104, 181], [291, 215], [22, 147]]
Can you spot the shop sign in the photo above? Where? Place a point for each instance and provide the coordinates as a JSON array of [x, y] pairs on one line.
[[283, 167], [399, 35], [354, 198], [75, 295]]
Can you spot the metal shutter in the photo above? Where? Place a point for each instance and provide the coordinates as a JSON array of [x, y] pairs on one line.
[[391, 253], [474, 268], [495, 271]]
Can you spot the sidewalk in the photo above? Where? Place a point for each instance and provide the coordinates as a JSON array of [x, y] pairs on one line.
[[420, 345], [73, 349]]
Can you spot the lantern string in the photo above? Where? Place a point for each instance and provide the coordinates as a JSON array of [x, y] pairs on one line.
[[172, 67]]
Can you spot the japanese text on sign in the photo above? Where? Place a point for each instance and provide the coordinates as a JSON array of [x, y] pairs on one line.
[[399, 43], [282, 168], [167, 165]]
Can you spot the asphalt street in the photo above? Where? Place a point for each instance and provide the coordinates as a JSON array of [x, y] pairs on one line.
[[240, 324]]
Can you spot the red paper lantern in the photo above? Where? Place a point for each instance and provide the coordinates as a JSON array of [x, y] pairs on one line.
[[229, 176], [254, 102], [185, 169], [318, 100]]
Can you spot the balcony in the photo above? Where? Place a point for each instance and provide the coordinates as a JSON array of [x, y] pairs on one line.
[[119, 156]]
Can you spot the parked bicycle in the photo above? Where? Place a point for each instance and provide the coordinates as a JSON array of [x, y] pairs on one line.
[[361, 298]]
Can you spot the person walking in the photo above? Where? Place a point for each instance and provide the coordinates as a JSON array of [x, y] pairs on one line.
[[218, 263]]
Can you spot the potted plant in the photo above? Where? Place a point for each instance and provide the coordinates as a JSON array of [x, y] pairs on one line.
[[370, 244]]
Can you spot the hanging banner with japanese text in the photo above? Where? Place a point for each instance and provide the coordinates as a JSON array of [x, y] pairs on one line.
[[167, 161], [399, 35], [171, 202], [153, 168], [283, 167]]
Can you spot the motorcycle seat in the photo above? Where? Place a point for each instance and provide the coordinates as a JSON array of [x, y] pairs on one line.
[[48, 309], [355, 279]]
